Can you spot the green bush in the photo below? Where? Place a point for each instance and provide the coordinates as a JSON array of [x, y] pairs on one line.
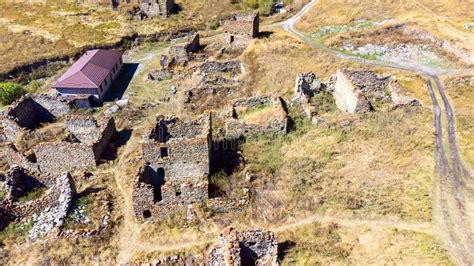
[[213, 25], [10, 91], [265, 7]]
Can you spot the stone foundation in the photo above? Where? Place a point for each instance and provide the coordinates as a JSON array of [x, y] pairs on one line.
[[49, 210], [254, 247], [269, 112]]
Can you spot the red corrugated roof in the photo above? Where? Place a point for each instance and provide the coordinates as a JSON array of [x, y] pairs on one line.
[[90, 70]]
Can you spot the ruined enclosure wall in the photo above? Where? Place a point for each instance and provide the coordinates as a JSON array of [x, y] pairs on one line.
[[276, 122], [84, 128], [14, 157], [194, 45], [253, 247], [108, 130], [25, 114], [56, 157], [55, 105], [30, 111]]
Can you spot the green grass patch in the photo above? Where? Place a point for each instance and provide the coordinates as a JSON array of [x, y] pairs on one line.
[[324, 102], [330, 30], [33, 195], [15, 230], [3, 193], [365, 56], [10, 91]]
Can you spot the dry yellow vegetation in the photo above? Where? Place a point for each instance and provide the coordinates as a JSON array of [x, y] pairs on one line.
[[444, 19], [461, 93]]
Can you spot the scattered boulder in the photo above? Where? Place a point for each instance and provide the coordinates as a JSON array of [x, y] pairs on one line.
[[159, 75]]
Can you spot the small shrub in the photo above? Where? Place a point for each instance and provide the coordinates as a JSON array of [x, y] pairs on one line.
[[213, 25], [84, 202], [33, 86], [10, 91], [324, 102], [265, 7]]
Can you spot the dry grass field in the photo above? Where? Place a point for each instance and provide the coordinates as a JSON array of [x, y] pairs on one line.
[[33, 30], [461, 92], [353, 189], [444, 19]]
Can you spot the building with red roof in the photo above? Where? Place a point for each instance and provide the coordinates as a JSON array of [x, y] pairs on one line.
[[93, 74]]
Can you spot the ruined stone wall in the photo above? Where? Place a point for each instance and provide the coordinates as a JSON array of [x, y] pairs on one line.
[[55, 105], [276, 123], [177, 153], [63, 156], [48, 211], [84, 128], [14, 157], [306, 86], [253, 247], [30, 111], [55, 214], [57, 157], [348, 97], [107, 130], [180, 53], [243, 25], [154, 8]]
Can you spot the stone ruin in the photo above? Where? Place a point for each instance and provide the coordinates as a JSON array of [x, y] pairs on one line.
[[216, 84], [177, 154], [147, 8], [356, 91], [32, 110], [180, 54], [241, 28], [48, 210], [307, 85], [253, 247], [89, 140], [233, 248], [155, 8], [84, 147], [257, 115]]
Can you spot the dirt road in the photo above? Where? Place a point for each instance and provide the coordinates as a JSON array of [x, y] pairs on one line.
[[453, 195]]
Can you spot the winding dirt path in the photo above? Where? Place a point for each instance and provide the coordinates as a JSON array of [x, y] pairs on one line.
[[453, 191]]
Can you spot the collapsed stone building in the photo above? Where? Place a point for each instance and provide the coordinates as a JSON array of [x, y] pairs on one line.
[[257, 115], [253, 247], [241, 28], [307, 85], [48, 210], [216, 84], [90, 139], [181, 54], [177, 156], [30, 112], [148, 8], [83, 149], [233, 248], [357, 91]]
